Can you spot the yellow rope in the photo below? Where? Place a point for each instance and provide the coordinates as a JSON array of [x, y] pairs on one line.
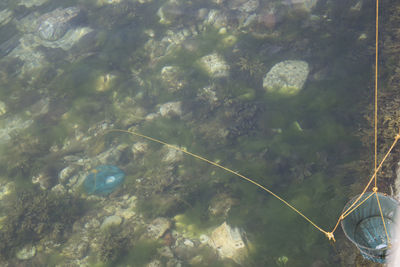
[[376, 88], [224, 168], [345, 214], [376, 114]]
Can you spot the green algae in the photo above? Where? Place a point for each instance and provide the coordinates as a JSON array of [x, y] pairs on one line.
[[141, 254], [196, 220], [171, 129], [239, 90], [32, 215]]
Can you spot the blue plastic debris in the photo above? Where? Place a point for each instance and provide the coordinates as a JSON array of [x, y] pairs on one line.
[[364, 226], [103, 179]]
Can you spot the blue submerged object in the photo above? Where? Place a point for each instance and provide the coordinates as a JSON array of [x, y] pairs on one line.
[[364, 226], [103, 179]]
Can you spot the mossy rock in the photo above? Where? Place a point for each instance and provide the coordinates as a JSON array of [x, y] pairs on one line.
[[286, 78]]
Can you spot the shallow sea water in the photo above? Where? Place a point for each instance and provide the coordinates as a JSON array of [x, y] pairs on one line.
[[303, 147]]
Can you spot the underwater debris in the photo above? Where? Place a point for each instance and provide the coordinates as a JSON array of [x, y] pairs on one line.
[[103, 180], [229, 243]]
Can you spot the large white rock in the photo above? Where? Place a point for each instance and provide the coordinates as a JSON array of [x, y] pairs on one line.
[[286, 77], [229, 243]]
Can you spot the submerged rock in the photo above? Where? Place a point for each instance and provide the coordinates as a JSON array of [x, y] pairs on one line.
[[11, 125], [113, 154], [6, 188], [244, 6], [154, 263], [173, 78], [43, 180], [5, 16], [216, 18], [68, 40], [171, 109], [397, 181], [59, 28], [27, 252], [208, 94], [104, 82], [53, 25], [113, 220], [170, 12], [76, 251], [306, 5], [286, 77], [215, 66], [172, 156], [158, 227], [7, 46], [3, 108], [66, 173], [221, 205], [139, 148], [31, 3]]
